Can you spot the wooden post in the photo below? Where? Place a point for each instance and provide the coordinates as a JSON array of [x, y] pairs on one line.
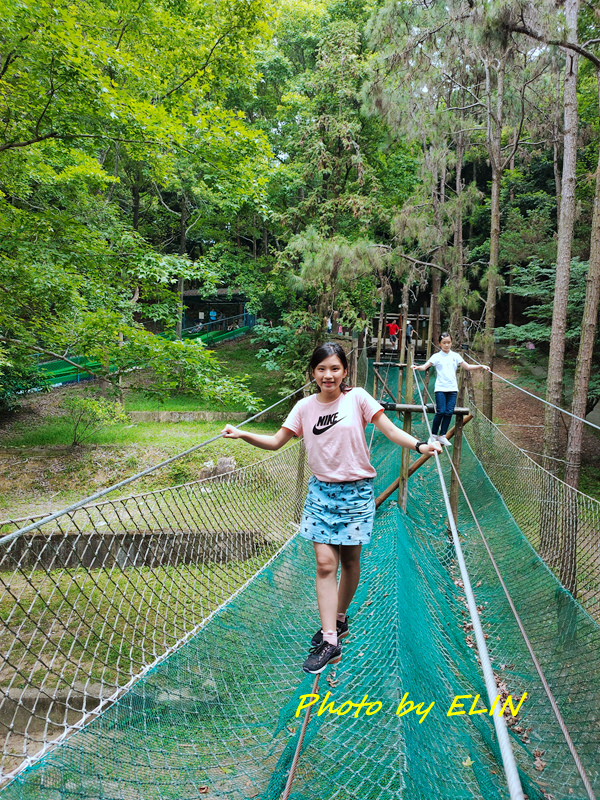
[[429, 343], [417, 331], [354, 358], [430, 328], [406, 426], [456, 451], [379, 332], [413, 468], [400, 370], [399, 391]]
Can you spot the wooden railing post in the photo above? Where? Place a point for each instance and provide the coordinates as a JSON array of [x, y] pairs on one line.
[[406, 426]]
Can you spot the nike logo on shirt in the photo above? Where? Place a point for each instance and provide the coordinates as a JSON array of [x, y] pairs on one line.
[[326, 422]]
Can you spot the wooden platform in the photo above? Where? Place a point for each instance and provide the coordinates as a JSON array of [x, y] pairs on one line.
[[414, 409]]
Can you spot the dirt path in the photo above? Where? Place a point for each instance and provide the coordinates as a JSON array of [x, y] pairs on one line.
[[522, 417]]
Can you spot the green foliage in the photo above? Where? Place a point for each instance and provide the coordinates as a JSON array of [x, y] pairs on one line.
[[287, 348], [535, 281], [277, 151], [17, 377], [157, 366], [88, 415], [96, 117]]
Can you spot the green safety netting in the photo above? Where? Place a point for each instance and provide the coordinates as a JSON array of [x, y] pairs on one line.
[[216, 717]]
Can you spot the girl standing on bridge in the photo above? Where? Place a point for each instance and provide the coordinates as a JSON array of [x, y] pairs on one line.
[[340, 507], [446, 363]]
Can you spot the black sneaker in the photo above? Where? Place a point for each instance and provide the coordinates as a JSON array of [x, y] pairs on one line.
[[321, 655], [342, 632]]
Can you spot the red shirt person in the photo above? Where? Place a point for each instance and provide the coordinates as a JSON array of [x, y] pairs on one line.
[[393, 331]]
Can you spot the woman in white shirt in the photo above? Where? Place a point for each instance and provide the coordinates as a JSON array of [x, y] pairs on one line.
[[446, 388]]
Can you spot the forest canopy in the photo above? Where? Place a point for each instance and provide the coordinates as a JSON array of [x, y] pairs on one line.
[[319, 157]]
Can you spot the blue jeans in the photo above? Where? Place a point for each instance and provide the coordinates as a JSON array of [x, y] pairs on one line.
[[444, 406]]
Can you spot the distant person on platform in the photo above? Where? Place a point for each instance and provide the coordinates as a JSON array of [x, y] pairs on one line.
[[409, 333], [446, 362], [212, 315], [393, 329]]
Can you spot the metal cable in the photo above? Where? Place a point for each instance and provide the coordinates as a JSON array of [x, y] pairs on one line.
[[508, 759]]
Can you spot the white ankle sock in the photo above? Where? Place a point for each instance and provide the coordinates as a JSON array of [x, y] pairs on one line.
[[330, 636]]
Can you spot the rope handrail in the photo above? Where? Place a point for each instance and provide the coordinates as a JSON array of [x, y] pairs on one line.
[[536, 397], [533, 461], [508, 758], [155, 492]]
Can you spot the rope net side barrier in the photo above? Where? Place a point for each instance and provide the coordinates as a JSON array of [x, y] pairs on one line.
[[187, 613], [93, 598], [561, 523]]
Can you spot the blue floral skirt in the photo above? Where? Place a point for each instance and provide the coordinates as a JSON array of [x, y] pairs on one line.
[[338, 513]]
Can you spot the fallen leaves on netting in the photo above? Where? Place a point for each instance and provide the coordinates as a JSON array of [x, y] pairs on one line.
[[468, 762], [203, 790], [539, 764]]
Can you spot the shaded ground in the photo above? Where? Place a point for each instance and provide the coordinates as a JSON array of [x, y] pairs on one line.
[[521, 419]]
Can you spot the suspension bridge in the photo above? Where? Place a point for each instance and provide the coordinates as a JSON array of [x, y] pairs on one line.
[[151, 643]]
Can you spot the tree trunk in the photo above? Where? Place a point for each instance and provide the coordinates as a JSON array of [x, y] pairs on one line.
[[492, 291], [554, 385], [436, 328], [183, 218], [495, 123], [568, 564], [586, 345], [556, 140], [549, 519], [456, 317]]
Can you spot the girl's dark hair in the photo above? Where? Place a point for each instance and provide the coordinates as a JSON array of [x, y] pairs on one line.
[[444, 335], [322, 352]]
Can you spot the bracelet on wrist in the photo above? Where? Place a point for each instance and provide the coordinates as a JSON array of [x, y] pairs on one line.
[[417, 446]]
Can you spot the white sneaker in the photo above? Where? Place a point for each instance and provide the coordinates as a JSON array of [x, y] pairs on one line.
[[433, 438], [444, 441]]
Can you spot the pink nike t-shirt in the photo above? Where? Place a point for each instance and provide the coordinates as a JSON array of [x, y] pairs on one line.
[[334, 435]]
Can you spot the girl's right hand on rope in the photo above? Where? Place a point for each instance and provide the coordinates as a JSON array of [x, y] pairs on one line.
[[229, 432], [431, 449]]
